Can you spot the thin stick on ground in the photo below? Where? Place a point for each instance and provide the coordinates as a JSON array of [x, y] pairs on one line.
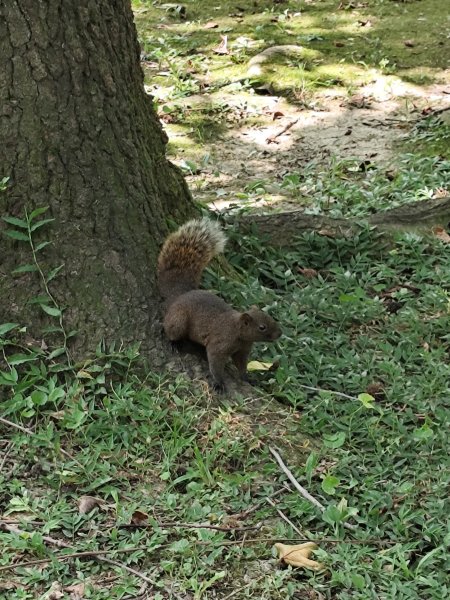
[[272, 138], [283, 516], [190, 526], [31, 432], [247, 585], [60, 544], [8, 450], [340, 394], [304, 492], [270, 540]]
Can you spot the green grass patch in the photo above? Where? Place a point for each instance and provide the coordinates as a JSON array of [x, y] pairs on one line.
[[369, 322]]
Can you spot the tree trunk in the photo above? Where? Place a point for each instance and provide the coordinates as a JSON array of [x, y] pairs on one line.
[[416, 216], [79, 135]]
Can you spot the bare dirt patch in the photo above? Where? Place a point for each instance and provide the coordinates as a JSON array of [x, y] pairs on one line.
[[274, 137]]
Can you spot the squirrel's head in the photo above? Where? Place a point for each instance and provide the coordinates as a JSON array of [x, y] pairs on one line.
[[257, 326]]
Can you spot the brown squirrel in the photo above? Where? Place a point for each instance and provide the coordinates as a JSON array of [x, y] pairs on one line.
[[199, 315]]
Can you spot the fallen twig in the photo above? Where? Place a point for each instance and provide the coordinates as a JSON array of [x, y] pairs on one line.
[[272, 139], [243, 587], [189, 526], [283, 516], [95, 554], [217, 543], [304, 492], [315, 389], [31, 432], [9, 447]]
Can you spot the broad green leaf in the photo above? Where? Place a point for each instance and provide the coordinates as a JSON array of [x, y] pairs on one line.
[[39, 397], [39, 299], [423, 433], [180, 546], [29, 268], [18, 359], [5, 327], [41, 245], [366, 400], [17, 235], [56, 352], [329, 484], [40, 224], [358, 581], [54, 272], [51, 310], [37, 211], [15, 221], [334, 440]]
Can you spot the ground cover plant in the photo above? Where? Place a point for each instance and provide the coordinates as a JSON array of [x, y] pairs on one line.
[[362, 318], [162, 490]]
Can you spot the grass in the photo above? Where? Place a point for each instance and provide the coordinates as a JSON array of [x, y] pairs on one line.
[[346, 47], [358, 404], [369, 321]]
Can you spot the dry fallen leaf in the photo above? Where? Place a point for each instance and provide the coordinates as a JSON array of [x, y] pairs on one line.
[[55, 592], [309, 273], [139, 518], [76, 591], [327, 233], [409, 43], [256, 365], [87, 503], [441, 234], [298, 556], [222, 48], [441, 193], [210, 25]]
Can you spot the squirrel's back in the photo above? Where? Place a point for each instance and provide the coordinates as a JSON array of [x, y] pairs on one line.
[[185, 254]]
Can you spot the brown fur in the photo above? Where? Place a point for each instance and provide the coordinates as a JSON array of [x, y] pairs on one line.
[[201, 316]]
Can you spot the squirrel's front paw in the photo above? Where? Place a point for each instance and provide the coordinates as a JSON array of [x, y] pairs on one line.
[[175, 346], [219, 387]]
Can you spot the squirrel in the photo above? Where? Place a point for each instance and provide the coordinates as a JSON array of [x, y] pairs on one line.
[[201, 316]]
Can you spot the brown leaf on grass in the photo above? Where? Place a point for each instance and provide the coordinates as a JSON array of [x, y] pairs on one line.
[[277, 114], [210, 25], [222, 48], [309, 273], [87, 503], [256, 365], [441, 193], [298, 555], [326, 233], [55, 592], [441, 234], [376, 390], [76, 591], [139, 518], [339, 44], [409, 43]]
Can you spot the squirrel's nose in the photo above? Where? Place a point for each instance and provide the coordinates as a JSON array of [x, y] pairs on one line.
[[277, 334]]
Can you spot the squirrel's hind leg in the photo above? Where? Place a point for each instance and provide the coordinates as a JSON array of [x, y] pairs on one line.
[[216, 362]]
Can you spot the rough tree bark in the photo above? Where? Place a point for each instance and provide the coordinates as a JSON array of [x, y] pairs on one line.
[[79, 134]]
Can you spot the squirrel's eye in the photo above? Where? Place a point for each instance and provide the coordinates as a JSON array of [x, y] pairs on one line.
[[262, 327]]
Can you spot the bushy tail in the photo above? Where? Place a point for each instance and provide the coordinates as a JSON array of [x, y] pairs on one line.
[[185, 254]]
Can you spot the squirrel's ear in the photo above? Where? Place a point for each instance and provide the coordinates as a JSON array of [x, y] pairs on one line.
[[254, 307], [246, 319]]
